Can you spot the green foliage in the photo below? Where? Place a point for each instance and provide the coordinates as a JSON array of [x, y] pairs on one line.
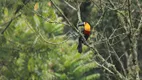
[[73, 66]]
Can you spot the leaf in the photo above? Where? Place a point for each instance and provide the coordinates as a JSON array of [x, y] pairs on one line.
[[80, 70], [5, 12], [36, 6], [31, 65], [37, 21]]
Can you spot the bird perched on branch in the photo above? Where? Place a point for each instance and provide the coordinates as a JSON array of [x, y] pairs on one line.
[[86, 33]]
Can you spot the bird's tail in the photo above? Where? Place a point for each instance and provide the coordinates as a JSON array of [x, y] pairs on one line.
[[79, 45]]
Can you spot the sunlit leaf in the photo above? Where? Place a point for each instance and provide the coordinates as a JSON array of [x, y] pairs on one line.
[[36, 6]]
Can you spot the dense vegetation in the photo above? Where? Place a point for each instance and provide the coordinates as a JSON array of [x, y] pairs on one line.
[[39, 38]]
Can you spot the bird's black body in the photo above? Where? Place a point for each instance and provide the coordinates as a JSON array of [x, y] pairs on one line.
[[86, 33], [80, 41]]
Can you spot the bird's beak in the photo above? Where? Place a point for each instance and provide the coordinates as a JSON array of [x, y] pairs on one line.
[[81, 24]]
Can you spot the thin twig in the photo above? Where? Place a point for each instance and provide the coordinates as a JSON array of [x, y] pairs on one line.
[[98, 22], [6, 26], [45, 40], [118, 59], [50, 20], [140, 23], [78, 12], [70, 5]]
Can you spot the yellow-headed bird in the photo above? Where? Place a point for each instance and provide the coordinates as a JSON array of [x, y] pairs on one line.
[[86, 32]]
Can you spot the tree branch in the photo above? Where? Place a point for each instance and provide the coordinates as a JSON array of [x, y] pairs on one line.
[[70, 5], [2, 32]]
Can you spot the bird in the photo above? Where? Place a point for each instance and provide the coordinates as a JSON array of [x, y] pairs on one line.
[[86, 33]]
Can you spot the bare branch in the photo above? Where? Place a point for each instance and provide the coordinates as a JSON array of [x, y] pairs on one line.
[[118, 59], [70, 5], [78, 12]]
